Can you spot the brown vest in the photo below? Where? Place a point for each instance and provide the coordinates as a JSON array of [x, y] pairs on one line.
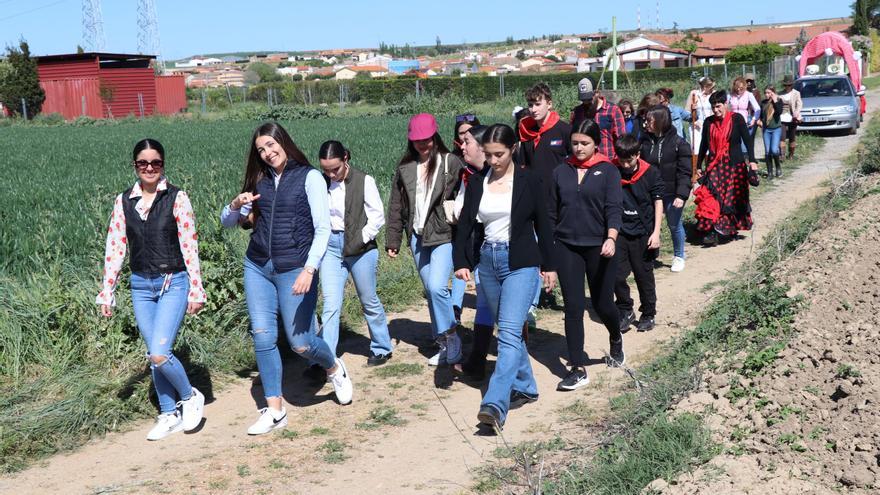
[[355, 214]]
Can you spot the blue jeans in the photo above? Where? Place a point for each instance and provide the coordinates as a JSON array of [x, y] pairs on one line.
[[267, 292], [676, 228], [457, 292], [509, 294], [484, 315], [159, 314], [772, 138], [435, 267], [334, 274], [752, 130]]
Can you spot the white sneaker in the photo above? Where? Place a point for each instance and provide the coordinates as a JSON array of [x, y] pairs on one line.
[[342, 383], [192, 410], [677, 264], [166, 424], [440, 357], [269, 420], [453, 348]]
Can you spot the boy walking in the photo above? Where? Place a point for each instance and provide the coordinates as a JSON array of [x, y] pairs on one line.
[[545, 141], [639, 240], [545, 138]]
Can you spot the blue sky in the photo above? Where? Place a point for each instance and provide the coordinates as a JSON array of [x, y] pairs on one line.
[[191, 27]]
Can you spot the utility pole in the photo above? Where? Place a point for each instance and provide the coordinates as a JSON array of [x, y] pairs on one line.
[[614, 61]]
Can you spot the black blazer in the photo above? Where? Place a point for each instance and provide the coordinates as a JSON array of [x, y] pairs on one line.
[[528, 217]]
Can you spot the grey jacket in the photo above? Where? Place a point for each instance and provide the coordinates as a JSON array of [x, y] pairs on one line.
[[401, 204]]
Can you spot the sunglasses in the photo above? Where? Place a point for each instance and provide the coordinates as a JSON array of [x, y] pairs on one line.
[[143, 164], [465, 117]]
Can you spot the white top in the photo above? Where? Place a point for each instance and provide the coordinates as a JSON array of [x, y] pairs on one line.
[[372, 207], [704, 108], [494, 213], [423, 194]]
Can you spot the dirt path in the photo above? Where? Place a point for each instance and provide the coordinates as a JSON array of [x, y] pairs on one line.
[[406, 432]]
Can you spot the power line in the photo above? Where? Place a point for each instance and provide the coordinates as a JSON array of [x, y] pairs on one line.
[[13, 16]]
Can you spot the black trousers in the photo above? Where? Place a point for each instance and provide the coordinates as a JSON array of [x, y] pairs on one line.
[[633, 255], [575, 264]]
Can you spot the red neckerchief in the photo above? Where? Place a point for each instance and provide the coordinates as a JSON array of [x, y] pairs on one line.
[[596, 159], [528, 130], [719, 138], [643, 167], [466, 172]]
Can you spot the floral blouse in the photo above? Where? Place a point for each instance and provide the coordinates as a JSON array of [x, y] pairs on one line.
[[114, 253]]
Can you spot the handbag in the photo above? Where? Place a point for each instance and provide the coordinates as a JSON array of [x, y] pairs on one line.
[[754, 181]]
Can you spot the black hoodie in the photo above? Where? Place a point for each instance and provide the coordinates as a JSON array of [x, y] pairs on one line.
[[671, 154]]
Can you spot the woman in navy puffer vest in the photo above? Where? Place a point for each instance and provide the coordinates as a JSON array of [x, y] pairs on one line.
[[285, 200]]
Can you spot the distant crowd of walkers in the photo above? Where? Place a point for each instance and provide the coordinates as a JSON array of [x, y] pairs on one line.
[[512, 209]]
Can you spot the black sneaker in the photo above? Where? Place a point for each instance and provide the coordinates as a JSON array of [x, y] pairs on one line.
[[617, 356], [711, 239], [315, 373], [378, 359], [519, 399], [489, 416], [575, 379], [626, 321], [646, 324], [456, 311], [469, 370]]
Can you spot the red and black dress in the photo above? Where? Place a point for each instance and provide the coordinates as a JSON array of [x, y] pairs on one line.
[[722, 199]]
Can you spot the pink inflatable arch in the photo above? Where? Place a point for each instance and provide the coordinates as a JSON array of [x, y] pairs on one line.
[[838, 44]]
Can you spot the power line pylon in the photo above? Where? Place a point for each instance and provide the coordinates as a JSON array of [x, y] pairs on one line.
[[93, 26], [148, 31]]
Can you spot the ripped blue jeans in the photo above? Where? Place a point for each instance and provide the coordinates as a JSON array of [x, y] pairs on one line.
[[159, 307], [268, 291]]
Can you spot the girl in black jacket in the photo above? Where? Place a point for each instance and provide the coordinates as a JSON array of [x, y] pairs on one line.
[[585, 210], [663, 148], [510, 204]]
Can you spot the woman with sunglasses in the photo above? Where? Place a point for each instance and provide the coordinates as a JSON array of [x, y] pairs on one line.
[[155, 220], [425, 178], [463, 123], [518, 247], [629, 115], [699, 104], [285, 200], [792, 104], [474, 367]]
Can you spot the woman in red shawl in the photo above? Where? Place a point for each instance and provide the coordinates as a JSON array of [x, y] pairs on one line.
[[723, 196]]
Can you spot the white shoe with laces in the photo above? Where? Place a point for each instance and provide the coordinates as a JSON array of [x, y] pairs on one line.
[[192, 410], [342, 383], [440, 357], [269, 420], [677, 264], [166, 424]]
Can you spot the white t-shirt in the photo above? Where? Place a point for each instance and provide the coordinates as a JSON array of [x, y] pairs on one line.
[[494, 213]]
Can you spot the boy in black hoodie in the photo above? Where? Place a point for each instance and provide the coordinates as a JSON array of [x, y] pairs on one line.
[[545, 138], [639, 240]]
